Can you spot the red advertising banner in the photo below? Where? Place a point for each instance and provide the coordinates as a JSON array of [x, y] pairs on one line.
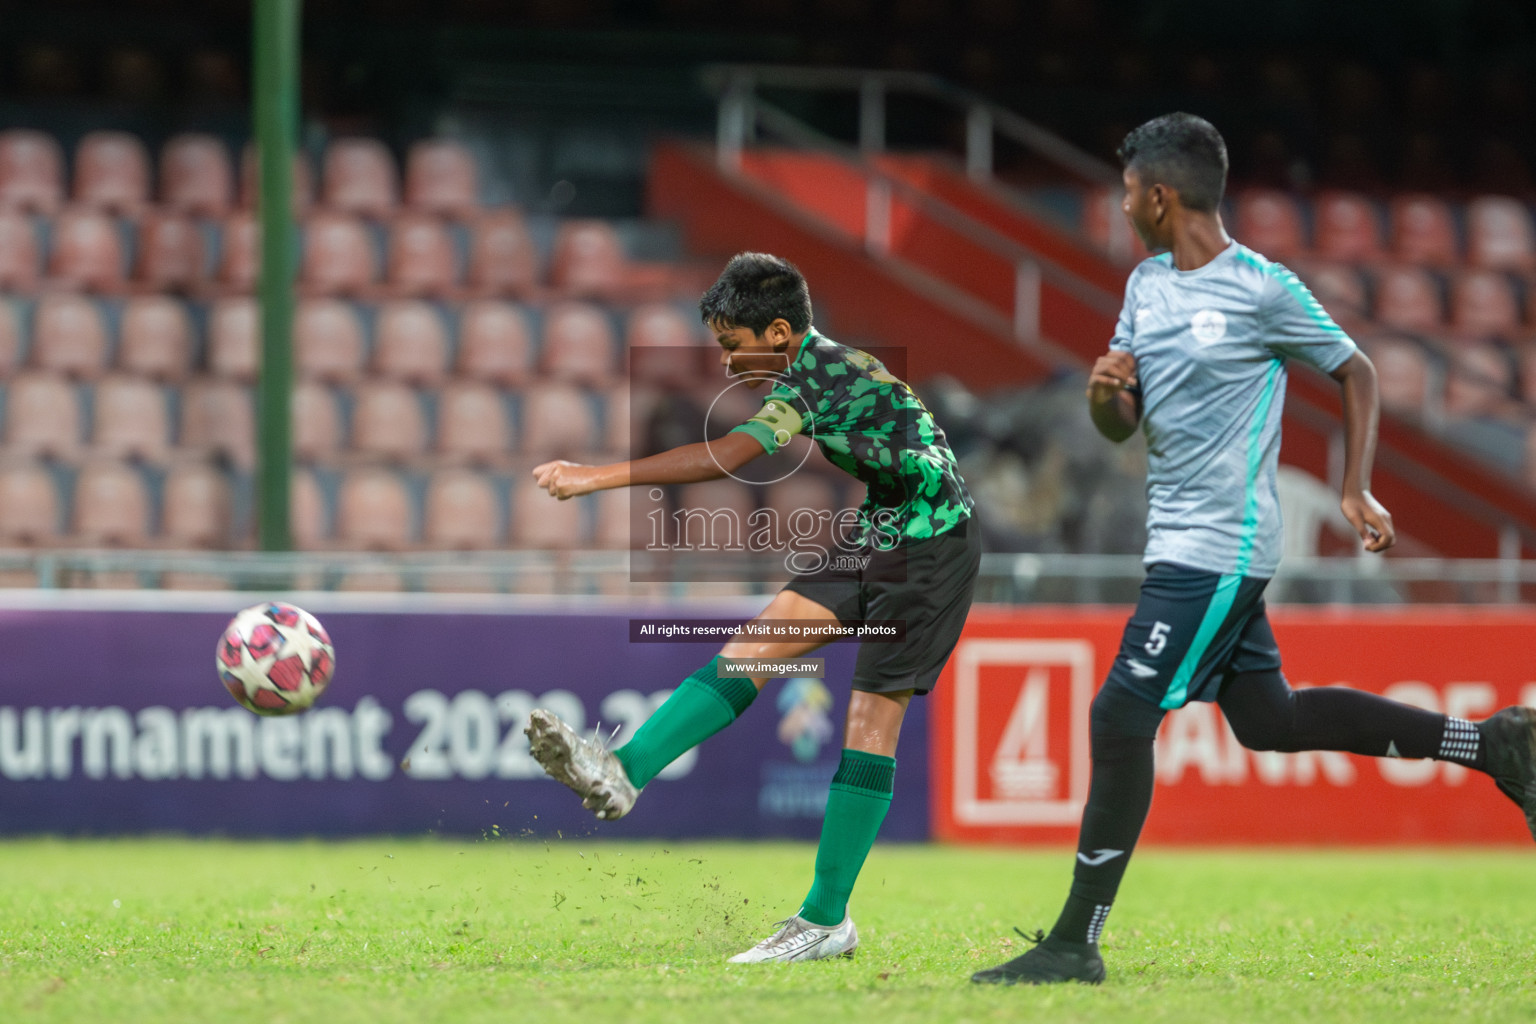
[[1009, 732]]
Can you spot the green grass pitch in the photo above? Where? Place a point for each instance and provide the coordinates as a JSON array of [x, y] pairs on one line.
[[587, 932]]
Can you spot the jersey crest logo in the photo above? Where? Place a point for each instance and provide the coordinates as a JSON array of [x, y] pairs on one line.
[[1209, 326]]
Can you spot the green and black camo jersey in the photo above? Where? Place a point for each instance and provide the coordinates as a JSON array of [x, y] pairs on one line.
[[869, 424]]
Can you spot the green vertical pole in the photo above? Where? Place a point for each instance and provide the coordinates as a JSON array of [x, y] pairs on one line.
[[275, 115]]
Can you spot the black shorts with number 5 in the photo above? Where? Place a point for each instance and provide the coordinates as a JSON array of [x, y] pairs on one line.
[[1191, 629]]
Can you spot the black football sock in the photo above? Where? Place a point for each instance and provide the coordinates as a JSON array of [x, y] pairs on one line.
[[1119, 796]]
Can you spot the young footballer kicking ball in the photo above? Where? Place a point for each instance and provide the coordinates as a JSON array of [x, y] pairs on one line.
[[1198, 362], [922, 556]]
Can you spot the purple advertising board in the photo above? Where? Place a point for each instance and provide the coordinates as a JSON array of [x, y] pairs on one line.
[[113, 721]]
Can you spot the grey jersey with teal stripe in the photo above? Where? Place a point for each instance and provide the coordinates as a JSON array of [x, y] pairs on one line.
[[1211, 346]]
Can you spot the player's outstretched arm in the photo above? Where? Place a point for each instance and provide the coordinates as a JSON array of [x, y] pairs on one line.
[[690, 463], [1357, 382], [1114, 400]]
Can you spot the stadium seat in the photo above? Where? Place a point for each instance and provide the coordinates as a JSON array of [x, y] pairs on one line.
[[239, 260], [169, 254], [1342, 292], [542, 522], [1484, 305], [1346, 227], [1270, 221], [29, 506], [155, 338], [1408, 298], [663, 346], [461, 512], [472, 423], [798, 501], [338, 256], [196, 176], [558, 422], [112, 172], [69, 336], [618, 415], [10, 338], [234, 344], [359, 177], [19, 265], [588, 260], [440, 178], [1480, 382], [410, 343], [317, 434], [373, 511], [1104, 223], [308, 524], [197, 507], [218, 420], [494, 343], [421, 260], [87, 252], [1499, 234], [387, 421], [130, 420], [42, 417], [1423, 230], [328, 340], [620, 520], [503, 261], [303, 182], [727, 504], [111, 506], [31, 171], [578, 344]]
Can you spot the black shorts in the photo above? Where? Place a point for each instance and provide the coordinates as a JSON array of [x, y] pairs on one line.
[[926, 584], [1189, 631]]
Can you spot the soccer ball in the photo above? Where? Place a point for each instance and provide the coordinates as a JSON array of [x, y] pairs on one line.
[[275, 659]]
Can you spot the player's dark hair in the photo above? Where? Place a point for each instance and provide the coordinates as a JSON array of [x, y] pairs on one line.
[[1182, 151], [754, 290]]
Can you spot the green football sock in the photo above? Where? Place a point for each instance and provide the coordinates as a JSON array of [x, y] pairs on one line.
[[702, 706], [860, 796]]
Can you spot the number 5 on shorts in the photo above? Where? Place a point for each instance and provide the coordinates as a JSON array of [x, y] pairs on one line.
[[1157, 639]]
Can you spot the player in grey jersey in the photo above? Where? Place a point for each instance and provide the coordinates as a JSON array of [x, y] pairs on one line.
[[1198, 362]]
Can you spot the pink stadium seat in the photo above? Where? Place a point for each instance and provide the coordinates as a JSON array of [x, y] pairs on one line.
[[618, 414], [197, 508], [1104, 223], [726, 503], [557, 422], [542, 522], [1499, 234], [42, 417], [218, 420], [10, 339], [155, 338], [421, 260], [411, 343], [239, 261], [31, 171], [338, 256], [112, 172], [307, 525], [494, 343], [1347, 228], [303, 181], [472, 423], [196, 176], [29, 506], [440, 178], [620, 520], [130, 420], [588, 260], [359, 177], [461, 512], [87, 251], [373, 511], [170, 253], [503, 260], [111, 506], [234, 344], [1480, 382], [1423, 230], [19, 267], [662, 325], [316, 423], [387, 421], [1407, 298], [1484, 305], [578, 344], [1341, 290], [1270, 221], [69, 336], [328, 340]]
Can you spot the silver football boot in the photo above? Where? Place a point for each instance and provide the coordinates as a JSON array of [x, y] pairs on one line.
[[583, 764], [798, 939]]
